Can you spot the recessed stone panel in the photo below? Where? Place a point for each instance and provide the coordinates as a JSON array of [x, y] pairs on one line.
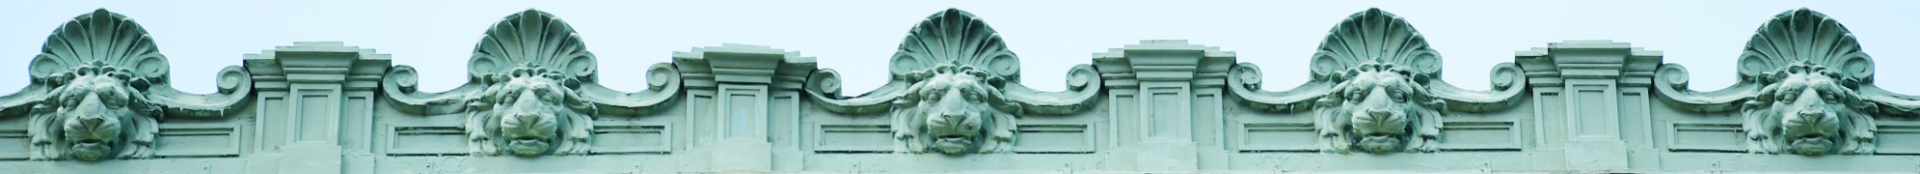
[[1278, 137], [1053, 138], [1706, 137], [849, 138], [197, 141], [427, 140], [631, 138]]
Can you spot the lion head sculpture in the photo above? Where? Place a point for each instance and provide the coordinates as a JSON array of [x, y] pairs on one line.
[[955, 90], [1805, 110], [525, 111], [531, 90], [951, 110], [1379, 109], [1376, 88], [1805, 88], [100, 88], [98, 112]]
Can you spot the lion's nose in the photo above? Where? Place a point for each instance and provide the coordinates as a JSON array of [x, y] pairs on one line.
[[92, 120], [1380, 113], [1813, 113], [953, 118]]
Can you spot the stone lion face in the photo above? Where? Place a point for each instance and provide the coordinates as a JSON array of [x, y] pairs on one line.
[[953, 105], [92, 107], [1810, 112], [1378, 110], [529, 114]]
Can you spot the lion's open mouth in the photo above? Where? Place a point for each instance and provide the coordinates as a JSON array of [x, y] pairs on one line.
[[90, 141], [91, 149], [527, 146], [1811, 144]]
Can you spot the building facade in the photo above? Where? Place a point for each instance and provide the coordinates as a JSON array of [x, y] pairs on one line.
[[100, 102]]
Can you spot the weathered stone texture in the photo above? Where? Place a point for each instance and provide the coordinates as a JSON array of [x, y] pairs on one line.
[[100, 102]]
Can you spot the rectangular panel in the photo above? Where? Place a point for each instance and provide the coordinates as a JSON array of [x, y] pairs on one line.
[[740, 113], [355, 123], [315, 117], [1898, 140], [1126, 120], [1206, 119], [427, 140], [700, 112], [1053, 138], [1706, 137], [782, 120], [1165, 110], [272, 123], [1479, 136], [1593, 117], [1278, 137], [13, 144], [631, 138], [196, 140], [854, 139]]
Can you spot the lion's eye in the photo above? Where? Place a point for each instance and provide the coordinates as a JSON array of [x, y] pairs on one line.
[[1397, 95], [111, 100]]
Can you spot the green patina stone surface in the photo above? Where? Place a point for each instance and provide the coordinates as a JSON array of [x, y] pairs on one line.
[[100, 102]]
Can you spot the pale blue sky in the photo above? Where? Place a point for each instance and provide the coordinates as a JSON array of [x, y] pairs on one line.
[[856, 37]]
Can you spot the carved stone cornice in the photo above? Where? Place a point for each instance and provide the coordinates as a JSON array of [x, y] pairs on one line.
[[1164, 60], [1588, 59], [318, 62], [705, 67]]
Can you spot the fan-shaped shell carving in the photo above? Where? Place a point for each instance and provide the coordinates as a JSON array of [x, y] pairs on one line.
[[532, 39], [104, 37], [1375, 36], [1805, 35], [957, 37]]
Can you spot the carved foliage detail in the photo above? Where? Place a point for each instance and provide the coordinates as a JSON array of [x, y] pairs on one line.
[[100, 88], [1375, 88]]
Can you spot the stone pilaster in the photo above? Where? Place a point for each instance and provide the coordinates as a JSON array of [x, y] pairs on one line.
[[755, 94], [1176, 88], [1600, 91], [315, 108]]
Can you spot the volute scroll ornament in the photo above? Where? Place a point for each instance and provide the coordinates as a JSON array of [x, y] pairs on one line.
[[1376, 88], [1805, 88], [532, 90], [955, 89], [100, 88]]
